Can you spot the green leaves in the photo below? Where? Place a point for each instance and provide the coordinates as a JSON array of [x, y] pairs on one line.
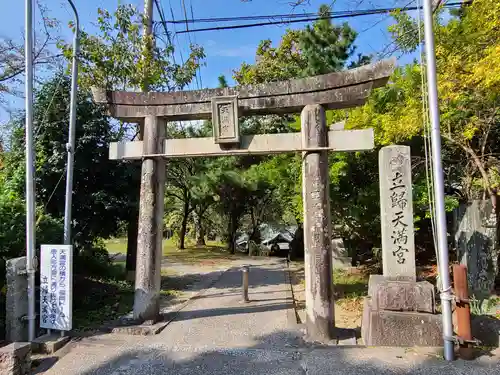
[[122, 58], [102, 188], [322, 48]]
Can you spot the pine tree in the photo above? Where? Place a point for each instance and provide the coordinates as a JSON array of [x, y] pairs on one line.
[[325, 46]]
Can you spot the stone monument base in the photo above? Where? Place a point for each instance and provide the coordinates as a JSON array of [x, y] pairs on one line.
[[400, 313], [49, 343], [342, 262], [392, 328]]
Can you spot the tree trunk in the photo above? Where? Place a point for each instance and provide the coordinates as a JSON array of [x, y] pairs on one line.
[[182, 235], [255, 235], [200, 231], [231, 233], [496, 208]]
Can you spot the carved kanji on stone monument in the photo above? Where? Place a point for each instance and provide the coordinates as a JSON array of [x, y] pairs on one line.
[[398, 249]]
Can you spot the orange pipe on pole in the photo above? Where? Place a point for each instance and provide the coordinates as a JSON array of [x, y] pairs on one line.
[[463, 310]]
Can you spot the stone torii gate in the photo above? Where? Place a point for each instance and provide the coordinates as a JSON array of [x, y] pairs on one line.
[[310, 96]]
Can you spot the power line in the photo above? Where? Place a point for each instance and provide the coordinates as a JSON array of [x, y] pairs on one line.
[[163, 22], [199, 67], [382, 20], [332, 15], [175, 31], [183, 7], [252, 18], [292, 16]]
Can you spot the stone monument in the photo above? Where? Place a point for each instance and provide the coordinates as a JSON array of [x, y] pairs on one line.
[[476, 238], [17, 301], [396, 212], [340, 255], [399, 310]]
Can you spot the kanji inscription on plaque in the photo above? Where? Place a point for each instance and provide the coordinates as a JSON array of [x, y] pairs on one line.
[[225, 119]]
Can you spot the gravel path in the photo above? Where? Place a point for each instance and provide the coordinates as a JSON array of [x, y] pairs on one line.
[[215, 333]]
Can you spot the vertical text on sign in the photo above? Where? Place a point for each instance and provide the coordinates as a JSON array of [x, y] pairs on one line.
[[56, 281], [398, 243], [225, 119], [399, 201]]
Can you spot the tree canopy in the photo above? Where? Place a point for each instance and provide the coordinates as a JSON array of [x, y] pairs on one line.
[[225, 197]]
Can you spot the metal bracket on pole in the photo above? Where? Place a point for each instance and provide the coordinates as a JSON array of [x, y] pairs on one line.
[[461, 341]]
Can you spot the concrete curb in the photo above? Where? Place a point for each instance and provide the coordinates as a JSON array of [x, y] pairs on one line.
[[292, 316]]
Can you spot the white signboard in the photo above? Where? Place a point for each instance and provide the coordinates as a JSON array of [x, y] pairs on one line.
[[56, 287]]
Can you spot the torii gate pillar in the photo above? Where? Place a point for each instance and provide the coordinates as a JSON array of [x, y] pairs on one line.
[[150, 236], [320, 321]]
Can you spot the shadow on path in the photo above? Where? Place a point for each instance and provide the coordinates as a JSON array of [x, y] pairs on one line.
[[266, 358], [258, 276], [206, 313]]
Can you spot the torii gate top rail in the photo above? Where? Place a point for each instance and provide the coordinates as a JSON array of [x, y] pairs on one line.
[[338, 90]]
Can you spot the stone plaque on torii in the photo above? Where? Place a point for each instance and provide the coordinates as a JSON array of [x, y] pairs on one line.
[[308, 96]]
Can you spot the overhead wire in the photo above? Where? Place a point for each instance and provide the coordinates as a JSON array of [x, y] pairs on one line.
[[163, 21], [383, 19], [194, 36], [297, 15], [176, 38], [249, 18], [184, 9], [45, 114], [302, 19]]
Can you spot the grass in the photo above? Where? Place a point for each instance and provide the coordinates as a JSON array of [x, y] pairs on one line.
[[350, 284], [211, 253], [199, 255], [116, 245], [100, 300]]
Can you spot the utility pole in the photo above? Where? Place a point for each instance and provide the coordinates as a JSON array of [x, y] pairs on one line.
[[148, 40], [70, 146], [30, 169], [437, 165]]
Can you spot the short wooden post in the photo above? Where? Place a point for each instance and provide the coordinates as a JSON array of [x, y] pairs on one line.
[[320, 321], [463, 310], [151, 207]]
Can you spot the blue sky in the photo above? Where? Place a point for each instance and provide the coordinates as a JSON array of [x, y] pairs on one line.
[[225, 50]]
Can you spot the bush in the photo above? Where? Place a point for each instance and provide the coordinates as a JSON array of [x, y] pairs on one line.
[[13, 228], [95, 261]]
